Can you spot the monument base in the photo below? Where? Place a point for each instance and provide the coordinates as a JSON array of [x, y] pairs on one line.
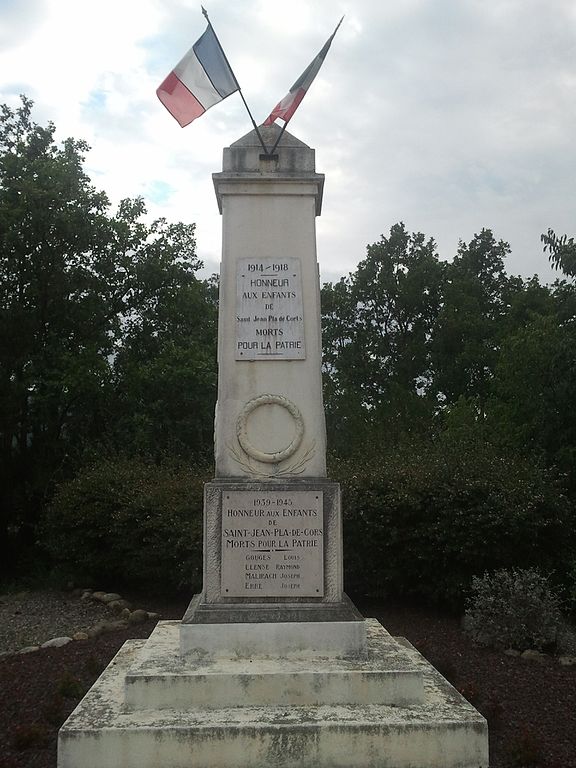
[[269, 630], [391, 709]]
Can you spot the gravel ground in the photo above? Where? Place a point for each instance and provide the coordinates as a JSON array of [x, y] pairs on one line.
[[31, 618]]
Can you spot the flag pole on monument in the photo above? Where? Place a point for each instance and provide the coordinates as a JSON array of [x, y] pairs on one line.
[[201, 79], [205, 14], [285, 108]]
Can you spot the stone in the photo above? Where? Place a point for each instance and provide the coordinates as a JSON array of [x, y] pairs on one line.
[[114, 626], [110, 597], [153, 616], [87, 595], [56, 642], [512, 652], [533, 655], [567, 661], [139, 616], [119, 605], [80, 636], [29, 649], [95, 630], [272, 420], [99, 596], [125, 613], [440, 730], [106, 626]]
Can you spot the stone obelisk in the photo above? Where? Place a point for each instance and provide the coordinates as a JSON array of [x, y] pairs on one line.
[[273, 542]]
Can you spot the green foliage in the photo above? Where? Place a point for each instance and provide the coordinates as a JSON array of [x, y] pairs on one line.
[[129, 521], [562, 252], [106, 335], [376, 333], [535, 389], [423, 518], [466, 335], [514, 608]]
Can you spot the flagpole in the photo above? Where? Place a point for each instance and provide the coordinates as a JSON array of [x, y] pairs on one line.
[[205, 14], [279, 137], [287, 121]]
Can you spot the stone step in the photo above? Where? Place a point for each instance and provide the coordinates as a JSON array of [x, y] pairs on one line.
[[160, 679], [442, 732]]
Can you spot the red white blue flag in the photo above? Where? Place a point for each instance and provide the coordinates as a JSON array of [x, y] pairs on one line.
[[289, 104], [200, 80]]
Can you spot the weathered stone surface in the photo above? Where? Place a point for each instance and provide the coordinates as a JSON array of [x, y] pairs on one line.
[[56, 642], [99, 596], [27, 649], [275, 398], [567, 661], [80, 636], [160, 679], [443, 731], [512, 652]]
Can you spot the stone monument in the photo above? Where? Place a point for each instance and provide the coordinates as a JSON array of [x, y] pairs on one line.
[[272, 665]]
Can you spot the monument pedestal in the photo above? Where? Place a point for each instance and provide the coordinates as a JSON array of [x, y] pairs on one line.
[[153, 707], [273, 582]]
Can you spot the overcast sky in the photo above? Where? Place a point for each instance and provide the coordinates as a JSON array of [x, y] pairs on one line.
[[449, 115]]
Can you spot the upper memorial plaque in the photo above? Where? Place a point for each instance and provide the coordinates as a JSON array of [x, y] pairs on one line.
[[269, 314]]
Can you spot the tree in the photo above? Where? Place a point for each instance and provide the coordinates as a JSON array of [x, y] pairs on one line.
[[562, 252], [376, 326], [75, 283], [469, 327]]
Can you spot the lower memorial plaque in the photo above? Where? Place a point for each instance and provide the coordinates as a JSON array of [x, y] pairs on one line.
[[272, 544]]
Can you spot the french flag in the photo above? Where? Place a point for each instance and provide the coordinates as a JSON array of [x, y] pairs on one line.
[[200, 80], [289, 104]]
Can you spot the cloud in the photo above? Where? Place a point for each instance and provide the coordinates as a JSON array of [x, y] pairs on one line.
[[450, 115]]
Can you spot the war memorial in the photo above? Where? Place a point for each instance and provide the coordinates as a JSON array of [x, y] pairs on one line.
[[272, 665]]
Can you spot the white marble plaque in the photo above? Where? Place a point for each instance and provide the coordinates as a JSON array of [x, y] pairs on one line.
[[272, 544], [269, 314]]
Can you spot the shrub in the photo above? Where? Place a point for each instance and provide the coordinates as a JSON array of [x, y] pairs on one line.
[[129, 521], [421, 519], [513, 609]]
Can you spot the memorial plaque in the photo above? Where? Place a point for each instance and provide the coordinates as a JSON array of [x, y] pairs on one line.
[[269, 314], [272, 544]]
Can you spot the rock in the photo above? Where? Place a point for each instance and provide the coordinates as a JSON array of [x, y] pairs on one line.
[[125, 612], [114, 626], [120, 605], [56, 642], [96, 630], [153, 616], [567, 661], [110, 597], [138, 616], [80, 636], [99, 596], [512, 652], [30, 649], [86, 595], [533, 655]]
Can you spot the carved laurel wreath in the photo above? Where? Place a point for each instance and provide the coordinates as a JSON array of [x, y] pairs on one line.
[[242, 432]]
